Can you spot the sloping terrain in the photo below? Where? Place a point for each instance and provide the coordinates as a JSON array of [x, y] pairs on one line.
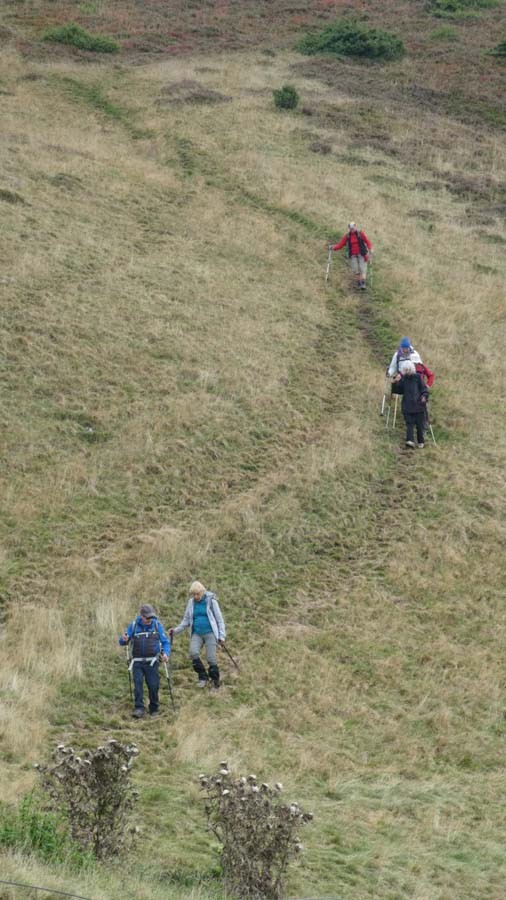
[[183, 397]]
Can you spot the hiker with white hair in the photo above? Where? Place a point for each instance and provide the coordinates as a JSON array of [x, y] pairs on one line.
[[359, 248], [204, 619], [414, 403]]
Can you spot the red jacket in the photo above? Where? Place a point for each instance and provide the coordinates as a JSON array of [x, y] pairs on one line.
[[354, 242], [427, 376]]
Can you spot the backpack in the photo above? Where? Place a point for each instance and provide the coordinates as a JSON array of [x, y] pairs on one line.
[[361, 243]]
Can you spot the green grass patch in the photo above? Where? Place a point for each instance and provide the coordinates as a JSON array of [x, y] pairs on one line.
[[348, 37], [75, 36], [32, 829], [445, 33], [94, 95], [459, 9]]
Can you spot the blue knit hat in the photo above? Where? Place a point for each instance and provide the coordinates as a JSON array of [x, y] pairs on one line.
[[405, 342]]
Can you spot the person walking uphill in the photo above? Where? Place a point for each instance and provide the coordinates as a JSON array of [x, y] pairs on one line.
[[204, 619], [148, 639], [414, 403], [358, 249]]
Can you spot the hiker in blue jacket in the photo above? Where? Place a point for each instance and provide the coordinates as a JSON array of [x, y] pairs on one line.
[[148, 639], [204, 619]]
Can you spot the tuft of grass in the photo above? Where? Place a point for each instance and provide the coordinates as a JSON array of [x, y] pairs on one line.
[[444, 33], [76, 36], [349, 37], [31, 829]]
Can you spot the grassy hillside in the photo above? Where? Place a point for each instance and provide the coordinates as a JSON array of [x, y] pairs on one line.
[[183, 398]]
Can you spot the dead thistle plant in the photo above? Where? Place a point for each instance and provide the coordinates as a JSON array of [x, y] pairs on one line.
[[94, 793], [258, 833]]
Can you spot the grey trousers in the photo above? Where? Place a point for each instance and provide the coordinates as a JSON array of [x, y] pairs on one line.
[[196, 643]]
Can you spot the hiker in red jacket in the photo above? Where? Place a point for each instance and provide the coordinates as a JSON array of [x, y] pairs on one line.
[[358, 248]]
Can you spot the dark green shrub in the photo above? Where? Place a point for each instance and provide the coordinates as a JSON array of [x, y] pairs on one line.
[[499, 51], [348, 37], [286, 97], [78, 37]]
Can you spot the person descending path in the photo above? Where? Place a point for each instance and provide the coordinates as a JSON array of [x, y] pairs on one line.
[[358, 249], [148, 639], [204, 619], [414, 403], [405, 351]]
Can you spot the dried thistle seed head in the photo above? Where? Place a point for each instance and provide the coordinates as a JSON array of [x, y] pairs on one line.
[[255, 789], [242, 779], [225, 793], [224, 771], [252, 778], [224, 764], [264, 787], [278, 786]]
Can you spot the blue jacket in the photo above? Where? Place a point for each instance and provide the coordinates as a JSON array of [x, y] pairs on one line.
[[213, 613], [138, 625]]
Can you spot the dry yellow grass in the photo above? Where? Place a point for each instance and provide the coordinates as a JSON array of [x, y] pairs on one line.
[[163, 295]]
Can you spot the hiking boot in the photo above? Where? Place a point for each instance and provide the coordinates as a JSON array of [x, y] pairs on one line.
[[153, 713], [215, 686], [202, 683], [139, 713], [410, 444], [362, 286], [421, 446]]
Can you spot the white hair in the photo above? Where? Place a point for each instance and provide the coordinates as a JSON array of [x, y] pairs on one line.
[[197, 587], [407, 367]]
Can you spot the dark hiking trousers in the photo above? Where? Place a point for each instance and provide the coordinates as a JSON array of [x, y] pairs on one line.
[[144, 670], [412, 420]]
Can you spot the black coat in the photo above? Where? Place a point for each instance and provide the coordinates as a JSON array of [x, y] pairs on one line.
[[412, 389]]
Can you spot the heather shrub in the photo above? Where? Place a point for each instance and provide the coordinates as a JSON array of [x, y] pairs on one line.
[[92, 791], [348, 37], [258, 833]]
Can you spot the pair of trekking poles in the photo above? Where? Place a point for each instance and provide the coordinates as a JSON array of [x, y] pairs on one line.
[[327, 271], [167, 673], [388, 402]]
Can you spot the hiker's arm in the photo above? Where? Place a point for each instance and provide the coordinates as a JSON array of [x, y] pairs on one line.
[[341, 243]]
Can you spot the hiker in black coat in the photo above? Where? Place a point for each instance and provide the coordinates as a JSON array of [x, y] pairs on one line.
[[414, 403]]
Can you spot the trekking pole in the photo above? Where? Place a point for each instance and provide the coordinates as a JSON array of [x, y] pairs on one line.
[[429, 423], [372, 270], [384, 396], [227, 651], [395, 410], [129, 672], [167, 675], [329, 259]]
